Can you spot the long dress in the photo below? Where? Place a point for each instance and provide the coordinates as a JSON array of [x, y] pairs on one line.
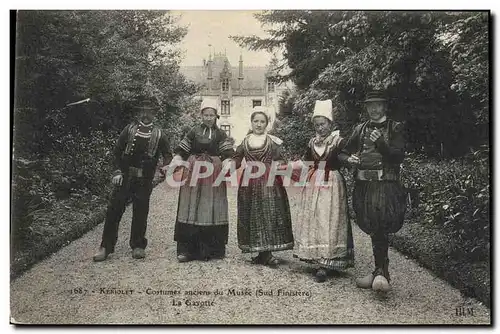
[[264, 219], [201, 228], [323, 234]]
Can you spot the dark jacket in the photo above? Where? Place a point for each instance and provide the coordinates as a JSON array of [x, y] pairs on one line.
[[158, 146], [391, 145]]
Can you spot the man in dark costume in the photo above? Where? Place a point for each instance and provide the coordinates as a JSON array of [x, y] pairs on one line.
[[376, 150], [136, 156]]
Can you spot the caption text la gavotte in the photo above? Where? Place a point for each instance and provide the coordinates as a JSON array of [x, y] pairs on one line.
[[195, 297]]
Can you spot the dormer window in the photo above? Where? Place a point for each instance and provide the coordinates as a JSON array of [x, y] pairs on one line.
[[270, 86], [225, 85], [225, 107]]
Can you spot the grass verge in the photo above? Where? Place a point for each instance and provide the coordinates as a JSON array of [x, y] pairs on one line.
[[67, 221]]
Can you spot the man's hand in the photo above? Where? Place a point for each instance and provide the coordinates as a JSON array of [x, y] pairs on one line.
[[375, 135], [164, 169], [353, 160], [117, 180]]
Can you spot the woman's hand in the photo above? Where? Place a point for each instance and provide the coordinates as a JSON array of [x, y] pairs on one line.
[[298, 164], [176, 163], [226, 164]]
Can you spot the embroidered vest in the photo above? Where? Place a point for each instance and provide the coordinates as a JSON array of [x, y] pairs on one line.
[[153, 140]]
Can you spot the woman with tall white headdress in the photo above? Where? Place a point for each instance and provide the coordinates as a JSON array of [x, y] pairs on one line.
[[264, 219], [323, 235], [201, 228]]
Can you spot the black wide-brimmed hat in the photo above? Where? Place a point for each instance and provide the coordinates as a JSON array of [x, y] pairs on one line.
[[147, 103], [375, 96]]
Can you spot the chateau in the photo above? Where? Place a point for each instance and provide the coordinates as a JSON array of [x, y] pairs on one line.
[[237, 89]]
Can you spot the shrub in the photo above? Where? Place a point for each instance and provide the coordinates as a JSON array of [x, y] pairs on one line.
[[454, 195], [80, 168]]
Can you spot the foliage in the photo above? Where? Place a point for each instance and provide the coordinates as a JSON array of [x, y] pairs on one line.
[[295, 129], [467, 43], [454, 195], [178, 125], [114, 58], [80, 170], [419, 58]]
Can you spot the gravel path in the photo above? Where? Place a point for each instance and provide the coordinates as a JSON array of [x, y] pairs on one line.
[[118, 291]]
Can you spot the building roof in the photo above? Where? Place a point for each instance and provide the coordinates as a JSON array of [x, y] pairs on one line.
[[254, 77]]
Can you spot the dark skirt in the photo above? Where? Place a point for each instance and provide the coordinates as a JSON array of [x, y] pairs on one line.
[[379, 206], [264, 219], [201, 228], [201, 241]]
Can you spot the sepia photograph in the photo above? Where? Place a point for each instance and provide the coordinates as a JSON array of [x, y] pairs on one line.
[[250, 167]]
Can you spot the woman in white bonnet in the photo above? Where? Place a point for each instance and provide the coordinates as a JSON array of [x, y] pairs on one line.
[[202, 223], [323, 235]]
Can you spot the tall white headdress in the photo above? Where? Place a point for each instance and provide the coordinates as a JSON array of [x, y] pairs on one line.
[[323, 108]]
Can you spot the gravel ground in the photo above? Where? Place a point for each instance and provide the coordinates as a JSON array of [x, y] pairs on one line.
[[49, 293]]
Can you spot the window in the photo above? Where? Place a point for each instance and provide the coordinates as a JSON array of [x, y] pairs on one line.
[[256, 103], [270, 86], [225, 85], [226, 129], [225, 107]]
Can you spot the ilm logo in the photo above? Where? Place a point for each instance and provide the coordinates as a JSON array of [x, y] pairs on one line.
[[462, 311]]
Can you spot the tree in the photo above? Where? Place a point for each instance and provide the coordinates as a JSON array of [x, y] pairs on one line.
[[115, 58]]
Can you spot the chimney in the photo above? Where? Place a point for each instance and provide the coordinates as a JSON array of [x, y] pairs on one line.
[[240, 73]]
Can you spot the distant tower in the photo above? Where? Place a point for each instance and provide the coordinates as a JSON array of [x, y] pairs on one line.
[[240, 73], [225, 77], [209, 76]]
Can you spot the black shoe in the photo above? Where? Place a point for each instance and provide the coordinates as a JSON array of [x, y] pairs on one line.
[[184, 258], [138, 253], [101, 255], [321, 275]]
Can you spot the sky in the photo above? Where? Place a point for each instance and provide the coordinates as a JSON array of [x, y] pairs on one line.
[[214, 27]]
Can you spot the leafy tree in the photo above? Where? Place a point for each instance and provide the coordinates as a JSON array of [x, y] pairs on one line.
[[115, 58]]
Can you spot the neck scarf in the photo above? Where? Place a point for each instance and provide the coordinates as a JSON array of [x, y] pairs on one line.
[[207, 129]]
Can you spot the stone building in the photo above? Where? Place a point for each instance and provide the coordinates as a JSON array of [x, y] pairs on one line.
[[237, 90]]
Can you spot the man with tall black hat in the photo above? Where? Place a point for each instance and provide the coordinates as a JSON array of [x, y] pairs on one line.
[[136, 156], [376, 150]]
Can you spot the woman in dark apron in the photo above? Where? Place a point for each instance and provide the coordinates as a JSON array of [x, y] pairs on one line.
[[201, 228]]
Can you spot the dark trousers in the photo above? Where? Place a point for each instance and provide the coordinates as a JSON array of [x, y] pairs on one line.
[[380, 246], [139, 189]]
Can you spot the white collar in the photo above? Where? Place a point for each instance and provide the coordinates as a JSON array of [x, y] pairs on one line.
[[146, 125]]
